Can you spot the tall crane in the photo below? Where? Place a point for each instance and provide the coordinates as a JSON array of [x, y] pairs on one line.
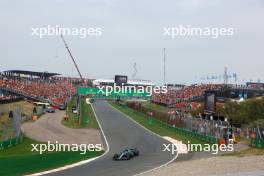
[[76, 66], [82, 80]]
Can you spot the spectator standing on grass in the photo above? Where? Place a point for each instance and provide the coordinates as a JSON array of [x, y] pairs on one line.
[[11, 115]]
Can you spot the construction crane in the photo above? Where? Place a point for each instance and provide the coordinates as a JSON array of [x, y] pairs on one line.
[[76, 66]]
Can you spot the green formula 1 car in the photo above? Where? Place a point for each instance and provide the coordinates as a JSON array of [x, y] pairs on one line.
[[126, 154]]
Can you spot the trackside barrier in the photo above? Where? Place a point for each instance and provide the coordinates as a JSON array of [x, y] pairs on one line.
[[257, 143], [11, 142], [186, 132]]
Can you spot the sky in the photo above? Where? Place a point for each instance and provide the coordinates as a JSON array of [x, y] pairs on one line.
[[132, 31]]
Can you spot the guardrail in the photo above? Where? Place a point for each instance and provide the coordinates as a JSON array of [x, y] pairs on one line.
[[11, 142], [257, 143], [186, 132]]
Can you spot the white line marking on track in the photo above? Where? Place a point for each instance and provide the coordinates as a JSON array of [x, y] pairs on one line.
[[92, 159], [78, 163], [152, 133]]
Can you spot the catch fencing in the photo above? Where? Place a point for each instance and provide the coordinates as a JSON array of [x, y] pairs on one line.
[[10, 127], [259, 143], [11, 142], [215, 128], [198, 128], [185, 132]]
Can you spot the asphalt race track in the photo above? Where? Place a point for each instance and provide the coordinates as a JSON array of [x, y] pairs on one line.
[[121, 132]]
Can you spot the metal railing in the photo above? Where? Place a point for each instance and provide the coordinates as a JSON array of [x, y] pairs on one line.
[[185, 132], [259, 143], [11, 142]]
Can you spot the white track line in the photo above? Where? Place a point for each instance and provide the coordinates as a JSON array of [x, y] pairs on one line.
[[81, 162], [152, 133], [92, 159]]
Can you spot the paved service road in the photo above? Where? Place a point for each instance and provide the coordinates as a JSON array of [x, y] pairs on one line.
[[49, 128], [122, 132]]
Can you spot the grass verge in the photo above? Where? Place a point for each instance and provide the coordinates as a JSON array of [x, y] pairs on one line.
[[142, 119], [20, 160], [88, 119], [26, 107], [72, 121], [6, 124]]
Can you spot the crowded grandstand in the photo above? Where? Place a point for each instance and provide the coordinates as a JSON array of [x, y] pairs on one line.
[[55, 89], [36, 86]]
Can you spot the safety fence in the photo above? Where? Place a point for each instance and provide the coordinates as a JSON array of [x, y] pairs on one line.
[[180, 130], [257, 143], [185, 132], [11, 142], [194, 124]]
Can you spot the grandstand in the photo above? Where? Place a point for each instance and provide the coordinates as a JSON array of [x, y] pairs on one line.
[[188, 93], [27, 74], [196, 93], [40, 86]]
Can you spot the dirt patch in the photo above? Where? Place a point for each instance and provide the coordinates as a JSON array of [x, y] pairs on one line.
[[212, 166]]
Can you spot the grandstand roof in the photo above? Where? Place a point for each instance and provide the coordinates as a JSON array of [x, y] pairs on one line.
[[31, 73], [142, 83]]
